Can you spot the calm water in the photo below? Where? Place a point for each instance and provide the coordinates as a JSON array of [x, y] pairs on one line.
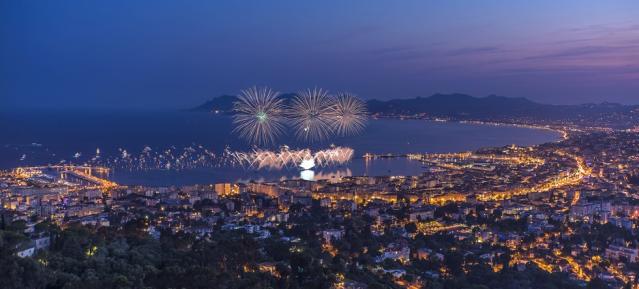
[[47, 137]]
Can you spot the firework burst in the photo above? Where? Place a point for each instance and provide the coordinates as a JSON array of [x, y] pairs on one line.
[[310, 115], [349, 114], [288, 158], [259, 115]]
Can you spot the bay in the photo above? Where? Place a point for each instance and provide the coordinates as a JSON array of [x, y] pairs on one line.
[[49, 137]]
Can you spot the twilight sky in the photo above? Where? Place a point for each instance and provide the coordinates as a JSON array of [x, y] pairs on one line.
[[163, 54]]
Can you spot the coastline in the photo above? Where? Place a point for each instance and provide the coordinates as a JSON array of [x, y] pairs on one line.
[[208, 175]]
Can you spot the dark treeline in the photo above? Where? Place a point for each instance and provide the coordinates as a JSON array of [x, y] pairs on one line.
[[85, 257]]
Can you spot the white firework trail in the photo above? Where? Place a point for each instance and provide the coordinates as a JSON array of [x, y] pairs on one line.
[[259, 115], [287, 158], [349, 114], [310, 114]]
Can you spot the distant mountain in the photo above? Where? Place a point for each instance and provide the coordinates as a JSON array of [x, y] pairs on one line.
[[455, 105], [500, 108], [224, 103], [489, 108]]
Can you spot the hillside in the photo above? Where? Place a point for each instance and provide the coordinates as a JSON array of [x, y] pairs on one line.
[[490, 108]]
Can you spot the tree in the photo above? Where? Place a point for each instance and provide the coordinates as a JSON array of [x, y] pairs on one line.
[[411, 228], [597, 284]]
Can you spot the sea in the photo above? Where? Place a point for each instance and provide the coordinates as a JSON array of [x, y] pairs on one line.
[[42, 137]]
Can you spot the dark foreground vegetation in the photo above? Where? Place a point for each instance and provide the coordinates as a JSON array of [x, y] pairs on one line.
[[83, 257]]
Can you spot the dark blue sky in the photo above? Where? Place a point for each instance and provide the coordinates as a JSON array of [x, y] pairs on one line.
[[165, 54]]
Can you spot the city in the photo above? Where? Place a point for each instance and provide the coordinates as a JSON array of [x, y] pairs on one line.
[[319, 144], [569, 208]]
